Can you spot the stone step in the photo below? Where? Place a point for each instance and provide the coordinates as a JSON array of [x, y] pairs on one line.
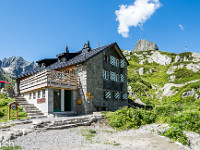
[[62, 127], [33, 111], [34, 114], [30, 109], [36, 117]]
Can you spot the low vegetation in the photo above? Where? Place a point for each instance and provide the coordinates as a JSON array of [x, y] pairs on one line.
[[181, 113], [4, 101]]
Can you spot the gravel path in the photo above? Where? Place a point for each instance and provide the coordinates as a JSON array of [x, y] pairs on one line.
[[105, 138]]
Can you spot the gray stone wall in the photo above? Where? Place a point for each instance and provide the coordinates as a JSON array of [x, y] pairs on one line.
[[91, 80]]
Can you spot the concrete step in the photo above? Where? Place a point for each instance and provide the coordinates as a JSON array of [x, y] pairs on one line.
[[30, 109], [36, 117], [35, 114]]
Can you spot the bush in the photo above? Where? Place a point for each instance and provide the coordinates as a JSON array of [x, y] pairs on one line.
[[187, 121], [177, 134], [1, 114], [127, 118]]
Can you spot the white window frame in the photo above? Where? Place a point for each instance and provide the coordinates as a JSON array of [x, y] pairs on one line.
[[43, 93], [116, 94], [34, 95], [30, 95], [117, 62], [108, 92], [39, 94], [105, 75]]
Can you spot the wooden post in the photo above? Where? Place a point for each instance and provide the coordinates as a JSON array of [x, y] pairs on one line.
[[17, 111], [8, 112]]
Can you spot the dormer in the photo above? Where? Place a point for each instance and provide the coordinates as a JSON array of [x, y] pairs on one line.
[[46, 62], [86, 47]]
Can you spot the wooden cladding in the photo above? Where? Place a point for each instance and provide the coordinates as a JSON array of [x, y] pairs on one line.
[[54, 79]]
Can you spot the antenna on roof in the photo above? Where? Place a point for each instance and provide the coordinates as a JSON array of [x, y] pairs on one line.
[[99, 44], [186, 48]]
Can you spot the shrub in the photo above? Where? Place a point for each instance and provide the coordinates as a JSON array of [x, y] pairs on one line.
[[187, 121], [176, 134], [127, 118], [1, 114]]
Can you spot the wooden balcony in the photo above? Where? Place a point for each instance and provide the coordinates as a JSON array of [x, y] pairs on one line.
[[54, 79]]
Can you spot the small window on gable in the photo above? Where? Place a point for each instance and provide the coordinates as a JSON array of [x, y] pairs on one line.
[[107, 95], [117, 78], [124, 96], [117, 63], [122, 63], [34, 95], [112, 60], [106, 58], [116, 95], [105, 74], [30, 95], [38, 94], [122, 77], [112, 76], [43, 93]]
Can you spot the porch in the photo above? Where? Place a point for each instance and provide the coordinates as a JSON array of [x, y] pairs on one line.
[[49, 78]]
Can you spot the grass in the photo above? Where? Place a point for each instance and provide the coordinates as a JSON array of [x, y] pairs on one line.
[[4, 101], [89, 134], [11, 148]]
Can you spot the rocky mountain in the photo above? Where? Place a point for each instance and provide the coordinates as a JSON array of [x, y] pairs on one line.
[[13, 66], [144, 45], [156, 74]]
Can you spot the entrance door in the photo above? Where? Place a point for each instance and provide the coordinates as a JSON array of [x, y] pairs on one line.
[[68, 100], [57, 100]]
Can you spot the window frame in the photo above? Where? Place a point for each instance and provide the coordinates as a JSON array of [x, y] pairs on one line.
[[43, 93], [34, 95]]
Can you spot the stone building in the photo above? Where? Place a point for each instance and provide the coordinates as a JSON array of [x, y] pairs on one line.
[[77, 83]]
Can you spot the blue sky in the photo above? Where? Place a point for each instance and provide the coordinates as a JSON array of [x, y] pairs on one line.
[[36, 29]]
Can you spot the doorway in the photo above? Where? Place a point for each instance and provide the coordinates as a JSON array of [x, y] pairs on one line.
[[68, 102], [57, 100]]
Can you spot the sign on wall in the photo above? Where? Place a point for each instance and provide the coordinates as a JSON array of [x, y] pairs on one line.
[[41, 100]]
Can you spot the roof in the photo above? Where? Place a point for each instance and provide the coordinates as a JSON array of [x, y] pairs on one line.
[[82, 57]]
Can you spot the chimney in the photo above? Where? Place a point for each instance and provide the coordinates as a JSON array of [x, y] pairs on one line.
[[66, 48]]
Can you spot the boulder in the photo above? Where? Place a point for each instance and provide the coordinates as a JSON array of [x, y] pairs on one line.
[[144, 45]]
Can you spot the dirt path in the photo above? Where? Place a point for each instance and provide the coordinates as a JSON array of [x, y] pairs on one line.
[[105, 138]]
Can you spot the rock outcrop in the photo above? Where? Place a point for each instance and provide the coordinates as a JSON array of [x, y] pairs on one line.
[[144, 45], [16, 65]]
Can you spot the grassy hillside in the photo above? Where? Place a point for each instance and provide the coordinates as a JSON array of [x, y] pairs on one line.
[[180, 110]]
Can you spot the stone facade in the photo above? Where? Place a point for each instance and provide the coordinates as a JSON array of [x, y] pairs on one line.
[[93, 85]]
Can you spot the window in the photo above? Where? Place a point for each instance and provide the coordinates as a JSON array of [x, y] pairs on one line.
[[38, 94], [105, 74], [30, 95], [43, 93], [107, 95], [112, 76], [34, 95], [112, 60], [124, 96], [117, 78], [117, 62], [122, 77], [106, 58], [116, 95], [122, 63]]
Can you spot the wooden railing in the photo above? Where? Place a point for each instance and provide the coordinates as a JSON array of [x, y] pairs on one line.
[[54, 79]]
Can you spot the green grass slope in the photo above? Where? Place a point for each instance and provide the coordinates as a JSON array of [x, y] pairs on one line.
[[180, 113]]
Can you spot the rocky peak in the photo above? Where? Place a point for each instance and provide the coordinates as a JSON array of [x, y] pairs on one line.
[[16, 65], [144, 45]]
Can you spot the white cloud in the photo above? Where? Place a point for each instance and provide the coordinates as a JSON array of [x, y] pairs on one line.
[[135, 14], [181, 27]]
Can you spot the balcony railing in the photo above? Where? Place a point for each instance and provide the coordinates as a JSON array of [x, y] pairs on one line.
[[54, 79]]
